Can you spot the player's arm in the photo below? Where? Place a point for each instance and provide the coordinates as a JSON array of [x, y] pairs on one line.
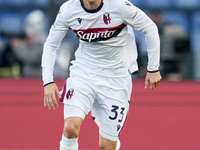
[[56, 34], [141, 22]]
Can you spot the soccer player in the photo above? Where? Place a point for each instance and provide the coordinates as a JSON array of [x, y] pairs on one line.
[[100, 76]]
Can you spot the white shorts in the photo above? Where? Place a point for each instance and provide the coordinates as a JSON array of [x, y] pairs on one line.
[[107, 97]]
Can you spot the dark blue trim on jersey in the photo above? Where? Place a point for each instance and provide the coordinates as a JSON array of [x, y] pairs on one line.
[[48, 84], [92, 11], [152, 71], [135, 72]]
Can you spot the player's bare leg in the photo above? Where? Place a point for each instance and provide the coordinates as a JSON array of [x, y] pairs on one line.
[[70, 133], [72, 127], [106, 144]]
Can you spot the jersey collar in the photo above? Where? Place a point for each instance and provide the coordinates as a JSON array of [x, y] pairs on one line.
[[92, 11]]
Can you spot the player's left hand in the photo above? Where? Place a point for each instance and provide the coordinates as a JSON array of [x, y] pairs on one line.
[[152, 78]]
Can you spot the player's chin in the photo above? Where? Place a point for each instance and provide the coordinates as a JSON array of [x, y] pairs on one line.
[[91, 1]]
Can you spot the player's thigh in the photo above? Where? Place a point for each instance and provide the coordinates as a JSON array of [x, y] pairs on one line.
[[72, 127], [106, 144], [111, 107], [110, 120], [78, 97]]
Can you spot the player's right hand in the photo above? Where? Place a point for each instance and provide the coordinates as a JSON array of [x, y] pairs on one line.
[[50, 93]]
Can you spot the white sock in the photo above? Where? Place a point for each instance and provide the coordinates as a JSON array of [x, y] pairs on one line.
[[118, 144], [68, 144]]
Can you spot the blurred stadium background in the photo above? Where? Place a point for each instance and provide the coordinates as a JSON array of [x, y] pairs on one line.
[[164, 119]]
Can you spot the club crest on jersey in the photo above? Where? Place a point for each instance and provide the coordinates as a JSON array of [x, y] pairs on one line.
[[106, 18], [70, 93]]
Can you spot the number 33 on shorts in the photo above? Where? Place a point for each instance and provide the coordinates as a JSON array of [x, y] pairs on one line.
[[118, 113]]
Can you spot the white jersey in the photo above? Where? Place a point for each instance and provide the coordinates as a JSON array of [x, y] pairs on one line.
[[103, 36]]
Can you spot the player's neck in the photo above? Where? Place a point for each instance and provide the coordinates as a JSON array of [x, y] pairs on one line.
[[91, 4]]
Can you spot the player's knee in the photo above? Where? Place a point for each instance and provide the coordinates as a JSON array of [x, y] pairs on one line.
[[71, 128], [71, 131]]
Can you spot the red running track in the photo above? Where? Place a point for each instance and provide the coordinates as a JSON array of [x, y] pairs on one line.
[[167, 118]]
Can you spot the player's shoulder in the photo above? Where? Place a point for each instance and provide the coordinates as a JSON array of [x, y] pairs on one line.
[[119, 3], [69, 5], [114, 3]]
